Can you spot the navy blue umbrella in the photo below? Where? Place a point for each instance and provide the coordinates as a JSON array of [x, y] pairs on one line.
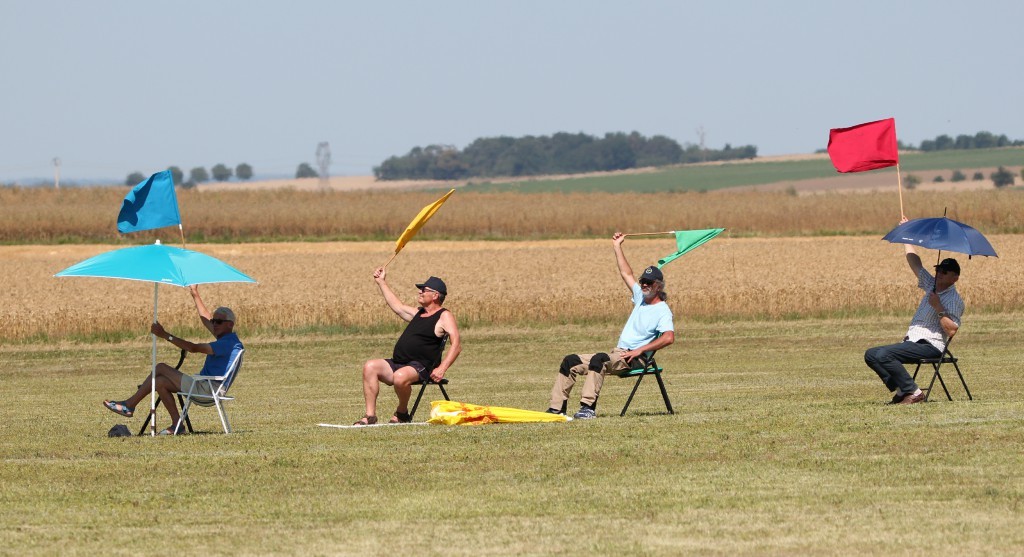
[[941, 234]]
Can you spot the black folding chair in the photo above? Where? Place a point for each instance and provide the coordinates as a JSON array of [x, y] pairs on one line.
[[181, 401], [947, 357], [643, 366], [424, 384]]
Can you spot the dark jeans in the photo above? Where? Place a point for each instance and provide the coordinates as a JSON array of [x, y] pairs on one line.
[[887, 361]]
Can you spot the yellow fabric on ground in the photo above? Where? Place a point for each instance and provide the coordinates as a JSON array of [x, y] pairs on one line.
[[449, 412]]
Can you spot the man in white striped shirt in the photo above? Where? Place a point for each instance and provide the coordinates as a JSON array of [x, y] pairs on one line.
[[936, 320]]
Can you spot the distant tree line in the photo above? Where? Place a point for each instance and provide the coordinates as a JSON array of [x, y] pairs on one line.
[[980, 140], [197, 175], [561, 153]]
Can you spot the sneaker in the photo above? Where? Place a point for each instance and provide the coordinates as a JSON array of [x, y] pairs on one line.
[[554, 411], [913, 399], [585, 413]]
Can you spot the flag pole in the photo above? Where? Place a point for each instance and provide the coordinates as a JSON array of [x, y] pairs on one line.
[[182, 232], [152, 395], [650, 233], [393, 256], [899, 187]]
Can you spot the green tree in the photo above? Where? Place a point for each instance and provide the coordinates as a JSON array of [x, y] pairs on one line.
[[134, 178], [1002, 177], [958, 176], [943, 142], [198, 175], [306, 171], [220, 172], [910, 181], [176, 175], [243, 171], [939, 178], [978, 176]]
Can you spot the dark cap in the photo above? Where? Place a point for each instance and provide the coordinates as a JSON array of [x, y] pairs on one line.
[[435, 284], [949, 264], [652, 273]]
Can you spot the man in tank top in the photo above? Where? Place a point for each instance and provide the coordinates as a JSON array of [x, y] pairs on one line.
[[649, 327], [417, 354]]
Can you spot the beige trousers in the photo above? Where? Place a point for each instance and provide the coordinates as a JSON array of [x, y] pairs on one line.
[[592, 383]]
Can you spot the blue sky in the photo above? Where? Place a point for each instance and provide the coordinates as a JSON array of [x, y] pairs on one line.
[[113, 87]]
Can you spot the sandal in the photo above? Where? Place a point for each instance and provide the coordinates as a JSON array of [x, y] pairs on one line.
[[400, 418], [366, 420], [169, 431], [119, 408]]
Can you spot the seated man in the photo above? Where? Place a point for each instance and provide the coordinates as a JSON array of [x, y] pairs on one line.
[[651, 317], [219, 354], [416, 351], [937, 318]]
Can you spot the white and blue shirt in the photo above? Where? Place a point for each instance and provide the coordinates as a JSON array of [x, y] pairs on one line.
[[645, 323], [925, 324]]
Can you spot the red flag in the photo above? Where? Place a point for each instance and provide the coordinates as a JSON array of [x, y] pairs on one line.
[[864, 147]]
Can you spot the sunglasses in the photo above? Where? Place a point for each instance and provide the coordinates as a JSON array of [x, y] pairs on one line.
[[219, 321], [647, 283]]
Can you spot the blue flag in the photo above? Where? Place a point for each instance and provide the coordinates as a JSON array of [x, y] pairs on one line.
[[151, 204]]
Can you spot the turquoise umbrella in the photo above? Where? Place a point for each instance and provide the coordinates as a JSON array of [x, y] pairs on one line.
[[158, 264]]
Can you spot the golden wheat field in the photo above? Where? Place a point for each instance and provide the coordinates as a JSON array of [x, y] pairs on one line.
[[329, 284], [45, 216]]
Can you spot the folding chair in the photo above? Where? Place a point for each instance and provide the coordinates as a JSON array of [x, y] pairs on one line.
[[643, 366], [946, 358], [181, 401], [218, 386], [425, 384]]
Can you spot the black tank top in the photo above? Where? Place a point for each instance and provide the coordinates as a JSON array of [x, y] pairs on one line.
[[418, 342]]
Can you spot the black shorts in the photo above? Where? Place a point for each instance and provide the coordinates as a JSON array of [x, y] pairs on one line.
[[421, 371]]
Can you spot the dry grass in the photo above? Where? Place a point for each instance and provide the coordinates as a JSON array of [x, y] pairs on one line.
[[39, 215], [329, 284]]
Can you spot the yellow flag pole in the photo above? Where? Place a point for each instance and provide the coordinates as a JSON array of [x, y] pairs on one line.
[[899, 187]]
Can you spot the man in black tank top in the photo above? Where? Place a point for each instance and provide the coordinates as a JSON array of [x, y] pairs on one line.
[[417, 354]]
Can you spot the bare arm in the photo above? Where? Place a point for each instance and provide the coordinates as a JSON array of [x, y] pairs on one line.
[[158, 330], [948, 325], [204, 314], [666, 338], [396, 305], [620, 260], [447, 323]]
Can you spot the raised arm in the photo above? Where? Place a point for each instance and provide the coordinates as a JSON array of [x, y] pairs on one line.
[[913, 259], [204, 314], [396, 305], [620, 260], [447, 324]]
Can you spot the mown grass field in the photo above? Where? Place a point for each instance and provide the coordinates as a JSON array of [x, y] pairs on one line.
[[780, 445], [714, 177]]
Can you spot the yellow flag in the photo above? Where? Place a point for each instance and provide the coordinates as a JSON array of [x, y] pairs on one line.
[[418, 222], [449, 412]]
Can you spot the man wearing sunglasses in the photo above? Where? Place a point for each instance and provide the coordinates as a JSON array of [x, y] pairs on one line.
[[219, 354], [417, 351], [936, 320], [649, 327]]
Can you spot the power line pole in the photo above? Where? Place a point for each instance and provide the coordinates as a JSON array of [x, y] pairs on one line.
[[701, 134], [56, 173], [323, 161]]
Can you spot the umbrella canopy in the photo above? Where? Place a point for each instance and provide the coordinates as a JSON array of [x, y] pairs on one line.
[[941, 234], [159, 264]]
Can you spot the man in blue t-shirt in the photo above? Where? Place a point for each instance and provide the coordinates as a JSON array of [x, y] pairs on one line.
[[649, 327], [220, 354]]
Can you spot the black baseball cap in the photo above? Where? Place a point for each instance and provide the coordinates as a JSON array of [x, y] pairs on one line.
[[652, 273], [949, 264], [435, 284]]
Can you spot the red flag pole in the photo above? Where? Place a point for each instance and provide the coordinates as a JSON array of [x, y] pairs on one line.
[[899, 186]]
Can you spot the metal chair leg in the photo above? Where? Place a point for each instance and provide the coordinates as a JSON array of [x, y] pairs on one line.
[[664, 393], [962, 382], [630, 399]]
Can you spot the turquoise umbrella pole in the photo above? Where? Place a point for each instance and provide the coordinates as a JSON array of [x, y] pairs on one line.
[[152, 393]]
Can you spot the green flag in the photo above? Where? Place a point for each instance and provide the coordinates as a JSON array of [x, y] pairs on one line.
[[687, 241]]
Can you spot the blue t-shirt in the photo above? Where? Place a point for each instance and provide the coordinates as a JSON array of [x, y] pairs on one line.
[[646, 321], [225, 349]]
